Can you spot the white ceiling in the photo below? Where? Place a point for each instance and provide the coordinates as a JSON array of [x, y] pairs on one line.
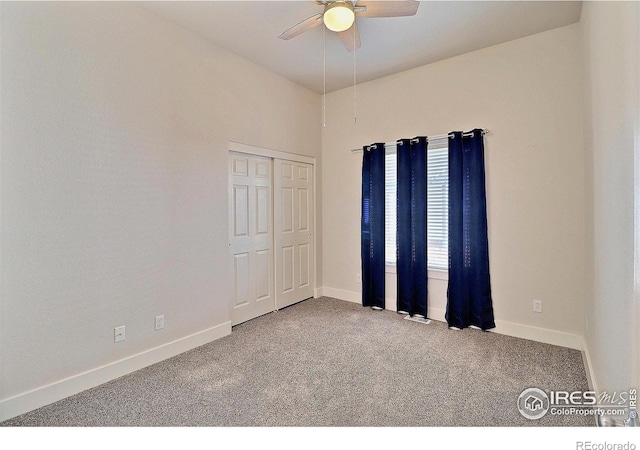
[[440, 30]]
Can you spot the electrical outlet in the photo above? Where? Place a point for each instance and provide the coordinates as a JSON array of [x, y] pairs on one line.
[[118, 334], [159, 322], [537, 306], [358, 278]]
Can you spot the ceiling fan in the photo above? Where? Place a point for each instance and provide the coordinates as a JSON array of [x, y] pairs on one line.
[[340, 16]]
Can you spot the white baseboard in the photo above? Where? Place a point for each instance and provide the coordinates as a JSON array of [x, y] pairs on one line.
[[591, 377], [588, 365], [349, 296], [544, 335], [44, 395], [318, 292]]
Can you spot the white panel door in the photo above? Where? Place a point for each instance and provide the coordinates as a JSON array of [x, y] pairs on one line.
[[251, 236], [293, 228]]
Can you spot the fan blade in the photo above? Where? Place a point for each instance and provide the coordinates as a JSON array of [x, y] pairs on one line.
[[351, 38], [303, 26], [391, 8]]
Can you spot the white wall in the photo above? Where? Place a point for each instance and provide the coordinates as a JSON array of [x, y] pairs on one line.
[[528, 93], [114, 188], [612, 143]]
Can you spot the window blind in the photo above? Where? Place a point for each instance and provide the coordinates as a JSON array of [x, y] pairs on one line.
[[438, 206], [390, 174]]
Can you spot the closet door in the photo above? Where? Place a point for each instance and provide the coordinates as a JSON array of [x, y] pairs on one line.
[[251, 236], [293, 228]]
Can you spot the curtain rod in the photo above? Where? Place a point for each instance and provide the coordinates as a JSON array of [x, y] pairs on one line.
[[437, 137]]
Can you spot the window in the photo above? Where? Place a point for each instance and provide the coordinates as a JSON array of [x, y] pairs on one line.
[[437, 205], [390, 166]]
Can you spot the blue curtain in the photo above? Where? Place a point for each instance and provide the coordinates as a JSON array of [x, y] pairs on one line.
[[411, 222], [469, 293], [372, 240]]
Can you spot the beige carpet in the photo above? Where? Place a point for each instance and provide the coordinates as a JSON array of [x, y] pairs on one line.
[[326, 362]]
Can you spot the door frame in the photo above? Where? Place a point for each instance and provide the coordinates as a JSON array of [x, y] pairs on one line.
[[238, 147]]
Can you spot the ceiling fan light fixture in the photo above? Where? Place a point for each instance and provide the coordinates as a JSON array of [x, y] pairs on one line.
[[339, 16]]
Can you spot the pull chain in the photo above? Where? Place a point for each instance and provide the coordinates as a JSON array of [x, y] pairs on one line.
[[324, 76], [355, 97]]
